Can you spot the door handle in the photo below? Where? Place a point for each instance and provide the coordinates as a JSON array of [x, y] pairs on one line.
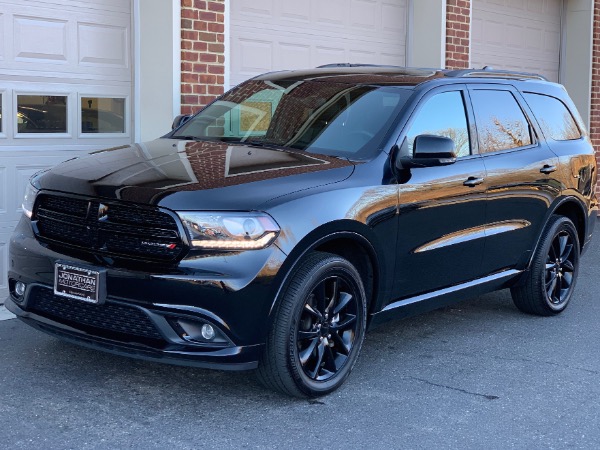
[[548, 169], [473, 181]]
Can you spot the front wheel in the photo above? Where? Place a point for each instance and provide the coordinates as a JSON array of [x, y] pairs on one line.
[[550, 282], [318, 329]]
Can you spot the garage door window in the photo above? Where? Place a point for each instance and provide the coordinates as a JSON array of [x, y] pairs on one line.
[[102, 115], [555, 119], [501, 124], [41, 114]]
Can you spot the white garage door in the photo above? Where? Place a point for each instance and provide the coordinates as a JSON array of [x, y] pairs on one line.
[[521, 35], [66, 87], [290, 34]]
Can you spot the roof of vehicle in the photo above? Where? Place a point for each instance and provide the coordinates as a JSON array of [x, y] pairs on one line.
[[392, 75]]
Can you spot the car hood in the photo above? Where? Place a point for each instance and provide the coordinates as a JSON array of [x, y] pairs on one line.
[[184, 175]]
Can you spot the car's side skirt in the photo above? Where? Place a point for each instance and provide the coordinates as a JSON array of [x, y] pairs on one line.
[[419, 304]]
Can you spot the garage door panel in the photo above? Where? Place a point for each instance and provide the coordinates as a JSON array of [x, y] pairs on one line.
[[40, 39], [84, 43], [363, 14], [295, 11], [293, 55], [334, 12], [325, 55], [103, 45], [367, 31], [518, 35]]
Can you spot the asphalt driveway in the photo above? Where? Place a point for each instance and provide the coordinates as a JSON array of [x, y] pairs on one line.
[[477, 375]]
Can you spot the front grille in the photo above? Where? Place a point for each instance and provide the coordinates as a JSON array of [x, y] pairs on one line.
[[114, 321], [108, 228]]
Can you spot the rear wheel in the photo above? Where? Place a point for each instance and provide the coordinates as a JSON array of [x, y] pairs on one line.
[[553, 272], [318, 329]]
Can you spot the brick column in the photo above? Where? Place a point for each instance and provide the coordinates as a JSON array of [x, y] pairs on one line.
[[595, 103], [202, 52], [458, 31]]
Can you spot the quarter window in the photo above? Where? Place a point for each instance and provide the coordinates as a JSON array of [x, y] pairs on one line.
[[442, 115], [501, 124], [555, 119]]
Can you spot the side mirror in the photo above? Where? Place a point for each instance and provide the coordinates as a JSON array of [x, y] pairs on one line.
[[180, 120], [429, 151]]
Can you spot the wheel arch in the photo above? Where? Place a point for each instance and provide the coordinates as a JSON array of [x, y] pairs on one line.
[[572, 208], [349, 239]]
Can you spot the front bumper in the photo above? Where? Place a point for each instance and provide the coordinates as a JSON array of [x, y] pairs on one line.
[[145, 305], [229, 358]]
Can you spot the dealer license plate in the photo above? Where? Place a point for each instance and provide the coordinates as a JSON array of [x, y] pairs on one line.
[[80, 283]]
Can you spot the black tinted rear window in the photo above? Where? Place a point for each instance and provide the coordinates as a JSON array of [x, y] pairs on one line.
[[501, 124], [554, 117]]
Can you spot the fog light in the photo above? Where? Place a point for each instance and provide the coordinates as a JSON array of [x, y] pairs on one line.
[[208, 332], [20, 288], [197, 331]]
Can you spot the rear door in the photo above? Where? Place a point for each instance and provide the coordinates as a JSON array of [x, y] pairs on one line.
[[521, 175], [442, 209]]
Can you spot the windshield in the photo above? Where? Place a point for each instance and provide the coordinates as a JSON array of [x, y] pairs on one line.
[[334, 119]]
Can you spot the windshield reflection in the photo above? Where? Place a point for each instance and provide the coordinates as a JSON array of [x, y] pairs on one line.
[[332, 118]]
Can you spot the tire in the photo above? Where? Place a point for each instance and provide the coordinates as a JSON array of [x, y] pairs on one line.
[[551, 279], [318, 329]]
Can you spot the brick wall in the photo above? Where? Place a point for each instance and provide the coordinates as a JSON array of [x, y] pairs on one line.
[[595, 107], [458, 30], [202, 52]]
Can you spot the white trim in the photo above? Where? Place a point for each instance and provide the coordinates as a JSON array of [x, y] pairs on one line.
[[137, 63], [444, 33], [5, 314], [408, 51], [563, 42], [3, 118], [470, 32], [227, 45], [177, 57]]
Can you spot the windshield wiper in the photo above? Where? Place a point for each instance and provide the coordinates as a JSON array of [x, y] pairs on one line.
[[186, 138], [264, 144]]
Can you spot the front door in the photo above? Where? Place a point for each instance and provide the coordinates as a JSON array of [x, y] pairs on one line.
[[442, 209]]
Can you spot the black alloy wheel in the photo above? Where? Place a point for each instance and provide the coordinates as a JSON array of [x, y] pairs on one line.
[[318, 328], [327, 328], [549, 284], [560, 268]]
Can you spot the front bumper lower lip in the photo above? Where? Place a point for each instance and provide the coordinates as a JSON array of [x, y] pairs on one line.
[[230, 358]]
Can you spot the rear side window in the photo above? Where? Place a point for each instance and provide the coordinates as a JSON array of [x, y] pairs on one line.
[[501, 124], [555, 119]]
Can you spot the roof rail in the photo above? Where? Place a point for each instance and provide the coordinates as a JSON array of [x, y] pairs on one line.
[[328, 66], [489, 72]]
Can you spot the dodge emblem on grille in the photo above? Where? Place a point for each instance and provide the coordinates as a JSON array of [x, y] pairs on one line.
[[102, 212]]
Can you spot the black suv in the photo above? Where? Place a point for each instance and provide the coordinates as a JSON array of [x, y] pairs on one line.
[[272, 228]]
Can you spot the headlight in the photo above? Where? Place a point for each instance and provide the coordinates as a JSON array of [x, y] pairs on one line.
[[229, 230], [29, 200]]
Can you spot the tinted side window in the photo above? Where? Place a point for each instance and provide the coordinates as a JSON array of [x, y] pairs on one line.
[[555, 119], [501, 124], [442, 115]]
